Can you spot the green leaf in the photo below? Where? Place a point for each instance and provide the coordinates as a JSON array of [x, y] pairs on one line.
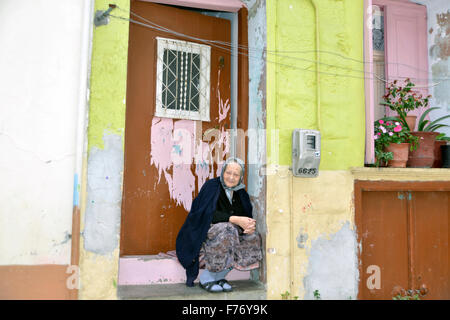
[[437, 122], [390, 119], [390, 105], [435, 127], [421, 120], [403, 121], [421, 126]]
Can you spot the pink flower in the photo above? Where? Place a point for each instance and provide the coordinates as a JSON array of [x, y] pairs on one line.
[[375, 137], [391, 134], [379, 133], [398, 128], [380, 121]]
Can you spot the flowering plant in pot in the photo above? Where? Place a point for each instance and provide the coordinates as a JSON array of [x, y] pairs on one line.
[[393, 141], [403, 99]]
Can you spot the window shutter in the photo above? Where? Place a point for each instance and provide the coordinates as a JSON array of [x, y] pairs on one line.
[[406, 46]]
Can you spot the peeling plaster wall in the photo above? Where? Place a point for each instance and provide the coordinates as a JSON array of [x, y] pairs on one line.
[[311, 223], [333, 266], [438, 18], [101, 209], [311, 239], [104, 196], [40, 61]]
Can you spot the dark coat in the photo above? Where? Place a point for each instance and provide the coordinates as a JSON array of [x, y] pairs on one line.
[[195, 228]]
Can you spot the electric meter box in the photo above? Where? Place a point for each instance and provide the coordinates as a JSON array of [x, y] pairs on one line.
[[305, 153]]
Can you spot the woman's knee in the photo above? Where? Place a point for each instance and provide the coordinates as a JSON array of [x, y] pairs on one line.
[[223, 229]]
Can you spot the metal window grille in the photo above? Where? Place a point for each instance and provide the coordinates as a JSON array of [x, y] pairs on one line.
[[183, 80]]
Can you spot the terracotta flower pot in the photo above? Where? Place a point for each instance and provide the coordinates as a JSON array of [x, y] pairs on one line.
[[423, 156], [438, 153], [400, 152], [411, 121]]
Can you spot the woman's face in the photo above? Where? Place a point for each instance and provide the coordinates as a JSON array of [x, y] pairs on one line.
[[232, 174]]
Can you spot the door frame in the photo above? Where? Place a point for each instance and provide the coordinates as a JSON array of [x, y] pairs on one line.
[[241, 82]]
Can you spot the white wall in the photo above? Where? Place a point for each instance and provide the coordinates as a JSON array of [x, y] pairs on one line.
[[41, 62]]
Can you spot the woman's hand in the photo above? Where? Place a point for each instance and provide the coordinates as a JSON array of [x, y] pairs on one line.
[[246, 223]]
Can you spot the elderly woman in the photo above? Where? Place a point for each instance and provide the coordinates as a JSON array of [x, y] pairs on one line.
[[221, 229]]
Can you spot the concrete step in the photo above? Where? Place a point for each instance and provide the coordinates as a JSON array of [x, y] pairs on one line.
[[156, 270], [242, 290]]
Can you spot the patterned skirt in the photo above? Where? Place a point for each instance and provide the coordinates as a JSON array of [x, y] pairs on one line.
[[226, 246]]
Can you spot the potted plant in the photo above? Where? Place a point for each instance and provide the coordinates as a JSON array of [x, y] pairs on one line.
[[425, 154], [393, 141], [402, 100]]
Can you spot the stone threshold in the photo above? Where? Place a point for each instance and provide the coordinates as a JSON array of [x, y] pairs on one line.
[[242, 290]]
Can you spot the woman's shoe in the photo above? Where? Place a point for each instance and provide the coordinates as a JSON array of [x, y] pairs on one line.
[[209, 286], [225, 285]]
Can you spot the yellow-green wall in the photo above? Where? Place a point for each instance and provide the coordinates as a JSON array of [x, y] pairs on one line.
[[295, 92], [98, 272], [108, 75], [305, 212]]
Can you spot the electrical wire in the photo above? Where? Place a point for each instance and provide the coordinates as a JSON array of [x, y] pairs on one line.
[[163, 29], [276, 52], [224, 46]]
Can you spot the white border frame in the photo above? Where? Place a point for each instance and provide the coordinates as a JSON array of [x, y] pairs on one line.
[[204, 84]]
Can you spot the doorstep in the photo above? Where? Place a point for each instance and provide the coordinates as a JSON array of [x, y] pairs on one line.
[[157, 270], [242, 290]]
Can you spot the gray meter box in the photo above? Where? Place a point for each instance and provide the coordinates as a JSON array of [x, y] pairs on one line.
[[305, 153]]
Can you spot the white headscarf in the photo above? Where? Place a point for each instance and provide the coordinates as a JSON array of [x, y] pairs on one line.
[[240, 185]]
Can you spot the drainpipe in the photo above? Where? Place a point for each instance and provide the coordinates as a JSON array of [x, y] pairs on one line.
[[316, 13], [234, 81]]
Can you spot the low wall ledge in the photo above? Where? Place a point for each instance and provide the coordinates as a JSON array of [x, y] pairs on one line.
[[401, 174]]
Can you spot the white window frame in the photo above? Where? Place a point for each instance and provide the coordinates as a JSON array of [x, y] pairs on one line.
[[204, 91]]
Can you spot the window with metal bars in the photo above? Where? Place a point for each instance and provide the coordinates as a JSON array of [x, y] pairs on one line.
[[183, 80]]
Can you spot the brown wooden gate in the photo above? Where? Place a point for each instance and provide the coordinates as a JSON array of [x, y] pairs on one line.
[[157, 189], [403, 231]]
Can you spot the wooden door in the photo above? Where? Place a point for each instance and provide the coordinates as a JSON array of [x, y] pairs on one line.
[[384, 243], [167, 160], [403, 231], [430, 252]]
